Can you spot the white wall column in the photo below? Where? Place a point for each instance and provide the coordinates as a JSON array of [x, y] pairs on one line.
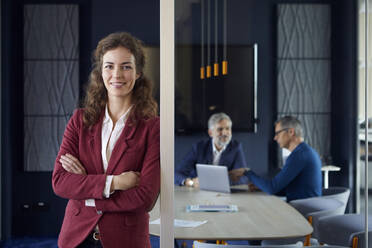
[[167, 122]]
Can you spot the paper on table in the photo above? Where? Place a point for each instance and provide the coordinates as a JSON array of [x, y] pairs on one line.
[[182, 223]]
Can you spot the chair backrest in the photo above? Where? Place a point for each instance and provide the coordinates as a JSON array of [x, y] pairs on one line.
[[340, 193], [206, 245], [315, 204]]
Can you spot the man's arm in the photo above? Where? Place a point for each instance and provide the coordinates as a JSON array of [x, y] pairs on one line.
[[186, 168], [272, 186]]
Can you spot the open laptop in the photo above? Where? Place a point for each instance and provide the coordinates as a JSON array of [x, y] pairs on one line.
[[215, 178]]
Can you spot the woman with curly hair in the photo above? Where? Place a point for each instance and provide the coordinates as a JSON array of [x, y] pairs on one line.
[[108, 165]]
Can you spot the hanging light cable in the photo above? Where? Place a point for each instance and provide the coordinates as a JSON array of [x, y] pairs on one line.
[[209, 68], [224, 61], [215, 71], [202, 68]]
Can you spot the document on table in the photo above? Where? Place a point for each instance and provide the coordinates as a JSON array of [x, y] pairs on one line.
[[211, 208], [182, 223]]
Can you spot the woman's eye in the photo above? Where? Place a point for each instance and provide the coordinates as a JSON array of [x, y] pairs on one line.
[[127, 67], [108, 67]]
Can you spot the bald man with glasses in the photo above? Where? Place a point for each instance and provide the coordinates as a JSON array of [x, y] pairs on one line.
[[301, 174]]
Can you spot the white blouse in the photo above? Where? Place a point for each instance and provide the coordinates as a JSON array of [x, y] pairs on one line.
[[109, 136]]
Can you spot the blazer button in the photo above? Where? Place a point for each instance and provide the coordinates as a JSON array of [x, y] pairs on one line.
[[99, 212]]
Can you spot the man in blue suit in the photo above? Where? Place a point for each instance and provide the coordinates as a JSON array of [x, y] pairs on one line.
[[218, 150]]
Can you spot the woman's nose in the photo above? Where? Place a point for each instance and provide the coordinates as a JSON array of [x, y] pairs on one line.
[[117, 72]]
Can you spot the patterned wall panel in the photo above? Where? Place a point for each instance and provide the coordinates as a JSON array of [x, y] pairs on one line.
[[51, 80], [43, 136], [304, 70], [51, 31], [304, 86], [51, 88], [304, 31]]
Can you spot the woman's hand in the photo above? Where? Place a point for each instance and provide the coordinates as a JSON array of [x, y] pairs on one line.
[[125, 180], [72, 164]]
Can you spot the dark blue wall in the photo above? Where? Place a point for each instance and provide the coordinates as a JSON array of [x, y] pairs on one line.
[[140, 18]]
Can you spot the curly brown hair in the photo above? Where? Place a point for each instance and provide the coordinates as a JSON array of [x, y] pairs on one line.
[[96, 94]]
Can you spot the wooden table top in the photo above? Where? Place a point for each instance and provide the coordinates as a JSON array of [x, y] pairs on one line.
[[260, 216]]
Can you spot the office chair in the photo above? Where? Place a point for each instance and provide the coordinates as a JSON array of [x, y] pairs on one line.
[[316, 207], [312, 209], [205, 245], [346, 230]]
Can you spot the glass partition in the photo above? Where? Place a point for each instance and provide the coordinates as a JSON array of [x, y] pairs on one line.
[[362, 105]]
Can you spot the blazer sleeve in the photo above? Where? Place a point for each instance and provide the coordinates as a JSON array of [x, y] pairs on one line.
[[187, 166], [69, 185], [239, 161], [141, 198]]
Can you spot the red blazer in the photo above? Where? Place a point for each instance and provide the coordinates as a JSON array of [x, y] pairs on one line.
[[122, 219]]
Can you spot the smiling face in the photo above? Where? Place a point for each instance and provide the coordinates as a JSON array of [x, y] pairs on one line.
[[221, 133], [119, 73]]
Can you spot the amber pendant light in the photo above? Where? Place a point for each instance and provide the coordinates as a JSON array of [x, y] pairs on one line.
[[215, 71], [202, 67], [209, 68], [224, 61]]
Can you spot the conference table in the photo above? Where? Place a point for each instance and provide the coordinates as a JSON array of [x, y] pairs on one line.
[[259, 216]]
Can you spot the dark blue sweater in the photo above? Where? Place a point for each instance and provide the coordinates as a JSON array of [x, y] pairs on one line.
[[301, 176]]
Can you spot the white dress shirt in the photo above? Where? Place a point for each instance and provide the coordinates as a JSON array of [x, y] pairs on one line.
[[110, 134], [217, 153]]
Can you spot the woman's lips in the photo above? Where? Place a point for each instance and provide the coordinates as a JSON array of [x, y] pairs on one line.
[[117, 84]]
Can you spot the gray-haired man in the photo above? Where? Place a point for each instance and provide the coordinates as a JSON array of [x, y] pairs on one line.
[[220, 149]]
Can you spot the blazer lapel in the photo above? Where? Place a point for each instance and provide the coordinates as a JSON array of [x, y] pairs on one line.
[[209, 152], [224, 155], [121, 145], [96, 145]]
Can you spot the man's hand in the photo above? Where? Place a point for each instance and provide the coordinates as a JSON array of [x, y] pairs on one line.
[[72, 164], [192, 182], [237, 173], [125, 180], [253, 187]]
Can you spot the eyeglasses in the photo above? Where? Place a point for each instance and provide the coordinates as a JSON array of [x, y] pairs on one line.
[[278, 132]]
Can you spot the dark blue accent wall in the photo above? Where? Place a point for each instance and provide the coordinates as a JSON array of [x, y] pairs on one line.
[[140, 18], [344, 95]]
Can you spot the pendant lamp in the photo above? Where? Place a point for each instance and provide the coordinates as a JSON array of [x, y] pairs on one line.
[[224, 61], [215, 71]]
